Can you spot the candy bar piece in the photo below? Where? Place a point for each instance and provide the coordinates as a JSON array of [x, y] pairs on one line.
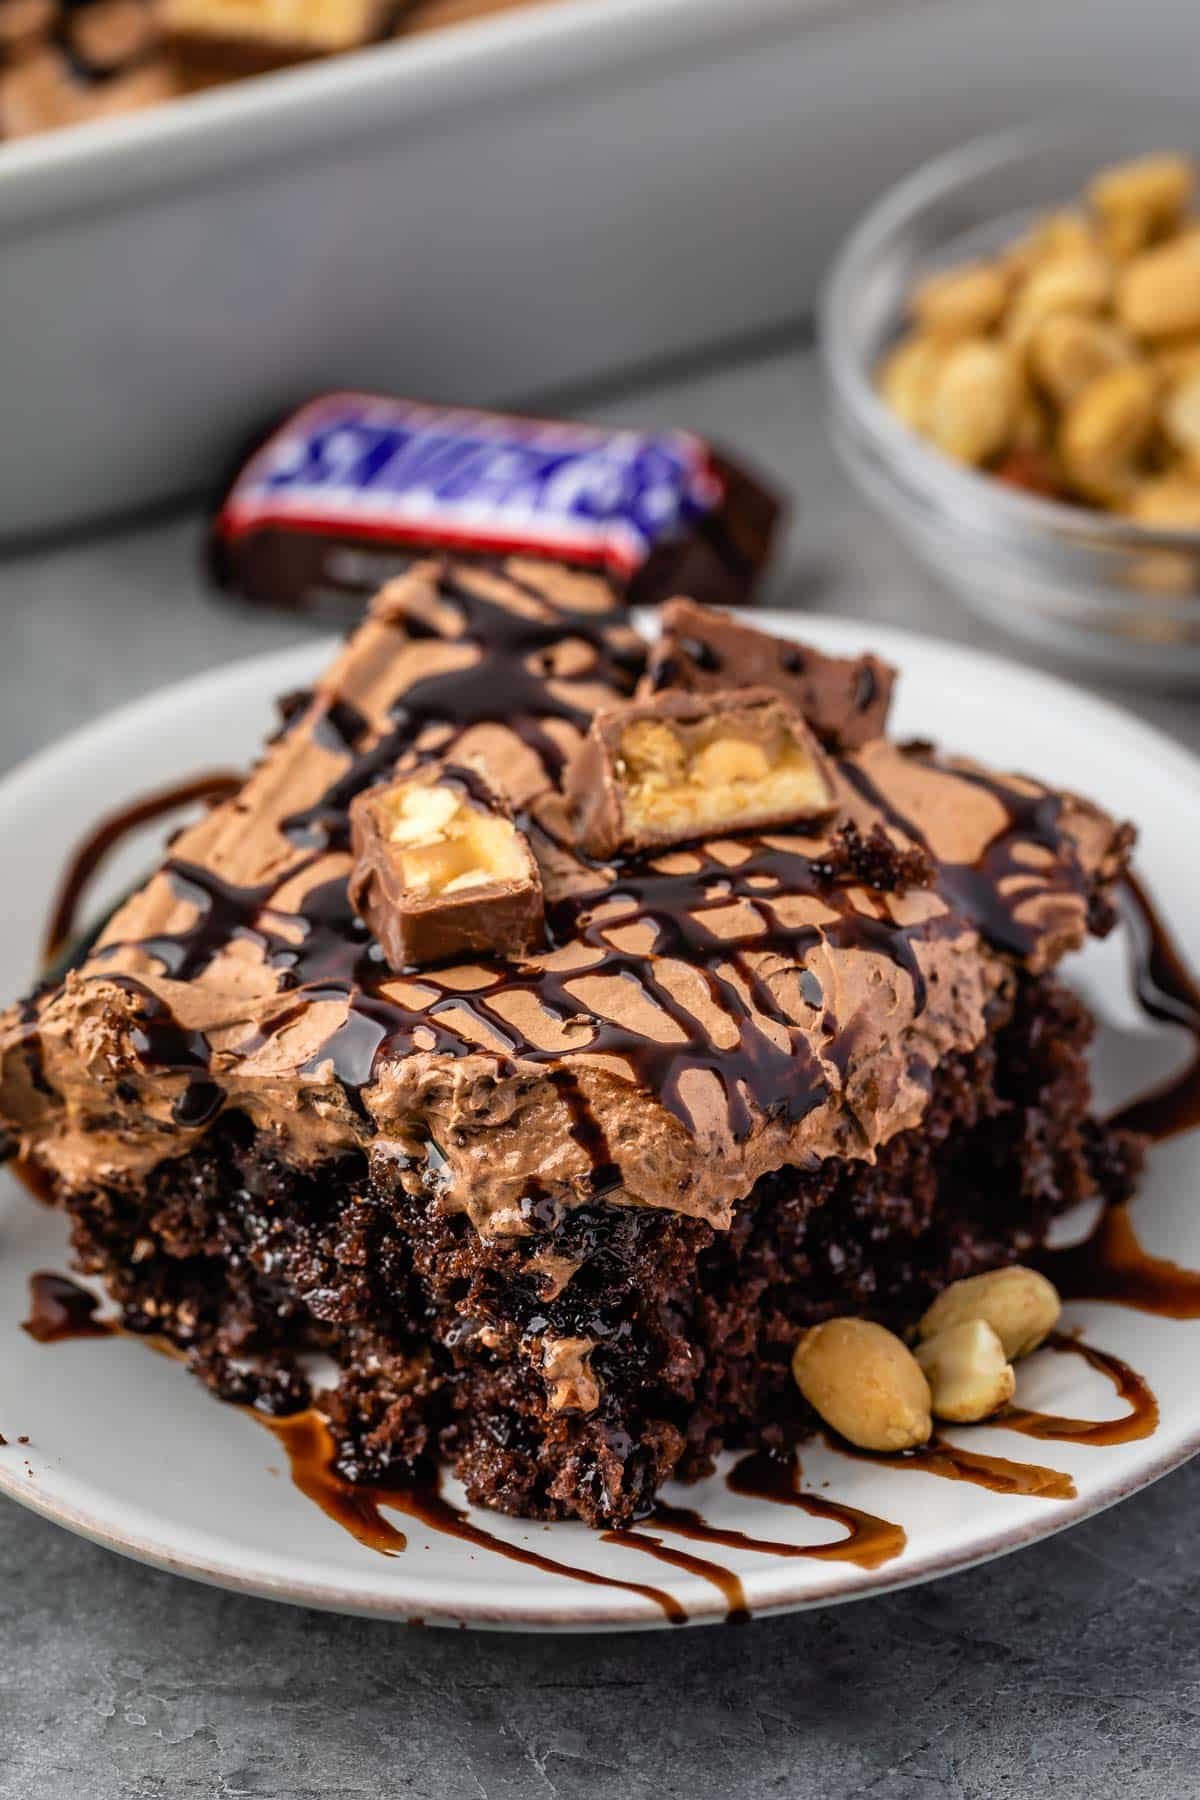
[[343, 495], [263, 34], [845, 699], [677, 766], [441, 870]]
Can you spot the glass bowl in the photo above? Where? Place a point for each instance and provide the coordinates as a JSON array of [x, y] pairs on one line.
[[1101, 590]]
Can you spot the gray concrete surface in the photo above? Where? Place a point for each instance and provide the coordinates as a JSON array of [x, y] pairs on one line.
[[1070, 1670]]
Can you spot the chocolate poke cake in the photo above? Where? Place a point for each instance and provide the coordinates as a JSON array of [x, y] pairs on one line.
[[554, 1027]]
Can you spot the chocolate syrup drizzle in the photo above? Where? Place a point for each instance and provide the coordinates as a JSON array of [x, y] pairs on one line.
[[1140, 1421], [112, 830], [954, 1462], [991, 892], [869, 1541], [1111, 1263], [1168, 992], [60, 1309], [360, 1509]]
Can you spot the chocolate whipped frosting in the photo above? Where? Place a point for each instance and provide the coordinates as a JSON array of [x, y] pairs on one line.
[[700, 1017], [701, 650]]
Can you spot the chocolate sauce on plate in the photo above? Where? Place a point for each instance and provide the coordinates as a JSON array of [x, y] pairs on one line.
[[359, 1508], [1140, 1421], [869, 1540], [61, 1309], [954, 1463], [1169, 992], [104, 837], [727, 1584], [1111, 1264]]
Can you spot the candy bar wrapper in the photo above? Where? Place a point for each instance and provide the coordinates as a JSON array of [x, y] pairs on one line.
[[352, 488]]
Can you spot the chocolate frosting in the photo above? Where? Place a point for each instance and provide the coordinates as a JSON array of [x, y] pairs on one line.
[[700, 1016], [702, 650]]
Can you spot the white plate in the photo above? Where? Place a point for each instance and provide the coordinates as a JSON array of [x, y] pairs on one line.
[[127, 1449]]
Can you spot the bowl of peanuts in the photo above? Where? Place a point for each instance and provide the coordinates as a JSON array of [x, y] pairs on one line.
[[1011, 341]]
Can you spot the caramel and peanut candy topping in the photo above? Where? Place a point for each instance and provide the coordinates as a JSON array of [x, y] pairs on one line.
[[867, 1385], [1069, 363], [441, 870], [677, 766]]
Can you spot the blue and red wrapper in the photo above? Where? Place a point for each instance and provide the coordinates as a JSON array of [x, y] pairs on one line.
[[352, 488]]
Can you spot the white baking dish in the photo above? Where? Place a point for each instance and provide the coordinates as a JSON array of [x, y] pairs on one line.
[[481, 214]]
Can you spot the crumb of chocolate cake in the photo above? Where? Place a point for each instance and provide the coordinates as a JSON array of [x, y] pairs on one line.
[[875, 861]]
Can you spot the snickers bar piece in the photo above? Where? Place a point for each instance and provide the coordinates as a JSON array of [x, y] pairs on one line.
[[678, 766], [844, 699], [345, 493], [558, 1221], [441, 870]]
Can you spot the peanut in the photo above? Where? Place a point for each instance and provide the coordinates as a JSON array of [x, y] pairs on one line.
[[861, 1380], [1019, 1304], [1177, 357], [1078, 282], [423, 815], [1141, 200], [907, 377], [730, 759], [1158, 293], [968, 1373], [1067, 353], [1058, 234], [1106, 430], [975, 400], [960, 302], [1181, 416]]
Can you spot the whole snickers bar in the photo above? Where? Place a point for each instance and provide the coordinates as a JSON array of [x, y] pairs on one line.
[[349, 489]]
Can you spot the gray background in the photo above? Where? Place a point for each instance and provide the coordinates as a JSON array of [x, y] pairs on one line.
[[1072, 1669]]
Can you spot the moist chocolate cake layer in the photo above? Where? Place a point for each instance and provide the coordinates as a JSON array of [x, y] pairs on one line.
[[656, 1341]]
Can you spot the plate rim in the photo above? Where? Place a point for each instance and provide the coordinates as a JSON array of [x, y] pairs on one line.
[[790, 1589]]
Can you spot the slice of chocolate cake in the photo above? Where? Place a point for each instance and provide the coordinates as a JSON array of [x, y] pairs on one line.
[[559, 1204]]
